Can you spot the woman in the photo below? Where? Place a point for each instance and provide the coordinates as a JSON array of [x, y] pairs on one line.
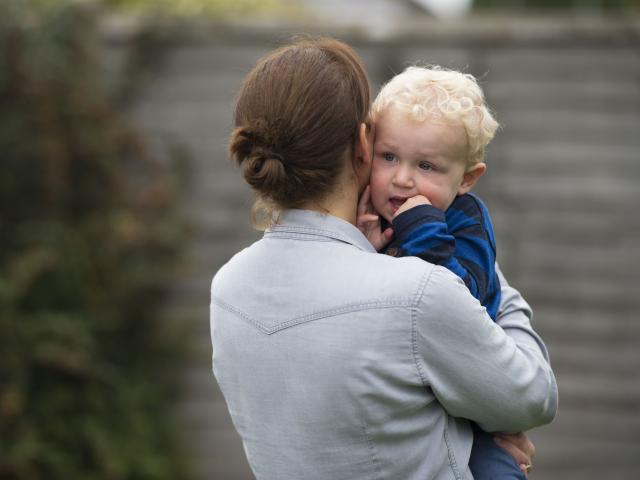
[[337, 362]]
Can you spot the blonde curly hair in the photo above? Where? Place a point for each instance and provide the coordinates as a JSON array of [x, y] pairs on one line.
[[438, 94]]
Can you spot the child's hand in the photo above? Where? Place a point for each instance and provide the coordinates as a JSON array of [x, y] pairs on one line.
[[369, 222], [412, 202]]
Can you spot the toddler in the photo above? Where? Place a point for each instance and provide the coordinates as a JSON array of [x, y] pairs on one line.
[[431, 130]]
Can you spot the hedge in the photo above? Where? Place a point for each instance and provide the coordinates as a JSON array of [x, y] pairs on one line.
[[89, 243]]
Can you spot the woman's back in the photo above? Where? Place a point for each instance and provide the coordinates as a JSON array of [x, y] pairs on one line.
[[312, 334]]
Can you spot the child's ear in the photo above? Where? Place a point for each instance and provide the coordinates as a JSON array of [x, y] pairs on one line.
[[471, 176]]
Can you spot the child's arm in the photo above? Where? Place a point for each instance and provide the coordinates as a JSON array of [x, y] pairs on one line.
[[461, 240]]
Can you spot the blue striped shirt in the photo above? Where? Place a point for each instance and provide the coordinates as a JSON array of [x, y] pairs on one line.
[[460, 239]]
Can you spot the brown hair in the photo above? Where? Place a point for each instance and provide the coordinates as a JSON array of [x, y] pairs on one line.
[[297, 116]]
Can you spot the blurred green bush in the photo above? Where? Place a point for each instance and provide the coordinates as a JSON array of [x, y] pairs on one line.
[[211, 9], [89, 239]]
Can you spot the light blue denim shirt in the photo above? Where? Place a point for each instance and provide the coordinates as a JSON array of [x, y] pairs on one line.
[[337, 362]]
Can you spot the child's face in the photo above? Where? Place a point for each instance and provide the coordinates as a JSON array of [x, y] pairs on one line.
[[416, 158]]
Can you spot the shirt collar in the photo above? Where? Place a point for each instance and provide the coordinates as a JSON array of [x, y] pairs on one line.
[[311, 223]]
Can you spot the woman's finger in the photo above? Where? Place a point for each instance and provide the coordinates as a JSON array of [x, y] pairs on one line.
[[521, 441], [519, 447], [363, 203], [387, 235], [519, 456], [368, 217]]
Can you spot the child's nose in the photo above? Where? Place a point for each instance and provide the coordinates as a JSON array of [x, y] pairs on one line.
[[403, 177]]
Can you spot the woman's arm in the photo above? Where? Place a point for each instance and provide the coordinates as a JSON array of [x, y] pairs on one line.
[[514, 316], [500, 379]]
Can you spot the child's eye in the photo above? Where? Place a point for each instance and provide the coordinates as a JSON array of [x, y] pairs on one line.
[[389, 157], [425, 166]]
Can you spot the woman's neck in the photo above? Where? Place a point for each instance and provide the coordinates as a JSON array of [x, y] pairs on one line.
[[341, 203]]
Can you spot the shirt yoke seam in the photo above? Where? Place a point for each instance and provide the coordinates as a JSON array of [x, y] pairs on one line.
[[269, 330]]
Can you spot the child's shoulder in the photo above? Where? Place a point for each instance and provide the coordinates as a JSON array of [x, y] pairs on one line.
[[469, 204], [468, 209]]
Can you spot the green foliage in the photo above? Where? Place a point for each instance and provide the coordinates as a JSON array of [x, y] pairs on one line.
[[88, 243], [215, 9]]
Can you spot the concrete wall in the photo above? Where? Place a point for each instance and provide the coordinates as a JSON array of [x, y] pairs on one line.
[[563, 186]]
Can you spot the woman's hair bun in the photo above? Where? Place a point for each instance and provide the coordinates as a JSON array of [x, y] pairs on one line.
[[263, 167], [264, 171]]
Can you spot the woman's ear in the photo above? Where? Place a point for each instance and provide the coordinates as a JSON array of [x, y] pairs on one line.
[[362, 158], [364, 144], [471, 176]]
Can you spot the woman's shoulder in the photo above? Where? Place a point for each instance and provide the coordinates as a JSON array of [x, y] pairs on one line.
[[336, 270], [424, 281], [405, 276], [234, 269]]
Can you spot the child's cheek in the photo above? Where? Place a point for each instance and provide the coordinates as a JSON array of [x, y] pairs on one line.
[[378, 191]]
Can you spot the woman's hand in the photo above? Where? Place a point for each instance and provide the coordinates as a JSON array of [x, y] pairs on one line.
[[519, 447], [368, 222]]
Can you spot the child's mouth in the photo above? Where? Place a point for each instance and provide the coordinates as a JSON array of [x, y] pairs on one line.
[[396, 202]]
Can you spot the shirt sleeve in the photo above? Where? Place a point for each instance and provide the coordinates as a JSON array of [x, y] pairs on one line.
[[514, 316], [462, 240], [477, 370]]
